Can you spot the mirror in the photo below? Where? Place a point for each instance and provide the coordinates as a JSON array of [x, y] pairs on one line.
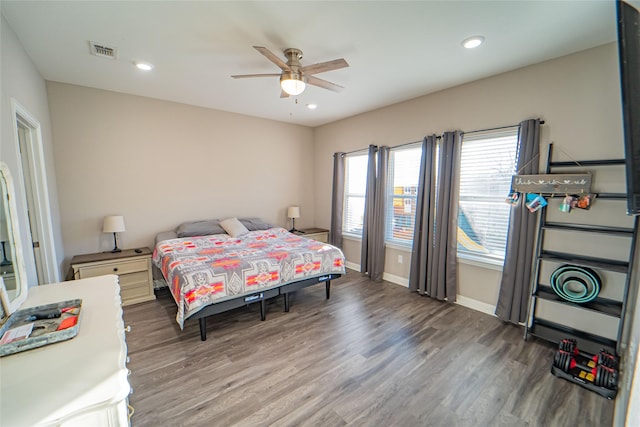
[[12, 268]]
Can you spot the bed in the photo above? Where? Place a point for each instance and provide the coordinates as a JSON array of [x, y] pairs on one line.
[[211, 273]]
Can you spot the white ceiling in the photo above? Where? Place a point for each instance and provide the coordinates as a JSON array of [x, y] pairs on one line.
[[396, 50]]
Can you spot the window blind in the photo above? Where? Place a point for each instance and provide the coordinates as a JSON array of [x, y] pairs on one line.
[[402, 187], [355, 187], [487, 163]]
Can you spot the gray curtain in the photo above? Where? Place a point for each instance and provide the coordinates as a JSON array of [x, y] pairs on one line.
[[369, 209], [375, 256], [425, 204], [516, 273], [337, 200], [433, 261]]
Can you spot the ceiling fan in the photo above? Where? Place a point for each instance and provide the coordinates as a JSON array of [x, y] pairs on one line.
[[294, 76]]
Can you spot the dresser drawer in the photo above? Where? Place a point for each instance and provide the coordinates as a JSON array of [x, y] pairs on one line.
[[122, 267]]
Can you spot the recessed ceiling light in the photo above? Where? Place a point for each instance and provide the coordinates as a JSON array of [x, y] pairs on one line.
[[472, 42], [144, 66], [312, 106]]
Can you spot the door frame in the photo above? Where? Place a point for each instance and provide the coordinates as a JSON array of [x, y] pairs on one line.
[[42, 208]]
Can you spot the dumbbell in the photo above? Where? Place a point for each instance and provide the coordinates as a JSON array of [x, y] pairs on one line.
[[603, 376], [606, 377], [568, 344], [571, 346], [602, 358], [565, 356], [566, 361], [606, 359]]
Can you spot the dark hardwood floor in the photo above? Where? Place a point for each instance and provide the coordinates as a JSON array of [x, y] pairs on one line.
[[372, 355]]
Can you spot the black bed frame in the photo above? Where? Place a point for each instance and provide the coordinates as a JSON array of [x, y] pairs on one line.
[[261, 296]]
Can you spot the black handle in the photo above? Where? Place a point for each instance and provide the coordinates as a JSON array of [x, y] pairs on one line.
[[46, 315]]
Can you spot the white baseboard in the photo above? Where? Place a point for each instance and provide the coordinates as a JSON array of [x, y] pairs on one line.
[[385, 276], [473, 304], [395, 279], [352, 265]]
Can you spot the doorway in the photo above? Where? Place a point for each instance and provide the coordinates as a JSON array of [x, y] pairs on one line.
[[32, 164]]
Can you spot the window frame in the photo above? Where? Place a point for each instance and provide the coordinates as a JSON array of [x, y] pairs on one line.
[[347, 195], [476, 258], [405, 195]]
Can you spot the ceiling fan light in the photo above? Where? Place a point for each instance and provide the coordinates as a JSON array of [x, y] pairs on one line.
[[292, 84]]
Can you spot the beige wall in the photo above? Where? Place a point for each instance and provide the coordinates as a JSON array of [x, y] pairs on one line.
[[22, 82], [160, 163], [578, 96]]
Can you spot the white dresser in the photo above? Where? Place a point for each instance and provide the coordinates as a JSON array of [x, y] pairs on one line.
[[78, 382]]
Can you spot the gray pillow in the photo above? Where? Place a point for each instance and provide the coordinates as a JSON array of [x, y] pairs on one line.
[[199, 228], [254, 224], [165, 235]]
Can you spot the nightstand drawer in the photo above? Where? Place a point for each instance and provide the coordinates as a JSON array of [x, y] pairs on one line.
[[138, 292], [133, 278], [121, 267], [319, 234], [320, 237]]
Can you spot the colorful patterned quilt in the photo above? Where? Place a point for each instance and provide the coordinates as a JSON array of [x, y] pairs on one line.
[[205, 270]]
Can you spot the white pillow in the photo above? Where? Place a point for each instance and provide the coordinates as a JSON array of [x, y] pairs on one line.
[[233, 227]]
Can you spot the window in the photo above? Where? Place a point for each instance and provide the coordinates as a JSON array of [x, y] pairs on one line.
[[355, 187], [402, 188], [487, 163]]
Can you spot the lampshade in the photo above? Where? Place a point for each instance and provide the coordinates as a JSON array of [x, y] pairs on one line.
[[293, 212], [113, 224], [292, 83]]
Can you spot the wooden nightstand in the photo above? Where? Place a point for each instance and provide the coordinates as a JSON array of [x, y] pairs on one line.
[[133, 269], [319, 234]]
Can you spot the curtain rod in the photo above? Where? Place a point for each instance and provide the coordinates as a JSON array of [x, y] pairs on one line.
[[395, 146], [355, 151], [439, 137], [498, 128]]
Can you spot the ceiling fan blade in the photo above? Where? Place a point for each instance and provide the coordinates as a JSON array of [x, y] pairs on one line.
[[324, 84], [244, 76], [323, 67], [272, 57]]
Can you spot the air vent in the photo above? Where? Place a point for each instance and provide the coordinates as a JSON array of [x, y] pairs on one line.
[[103, 51]]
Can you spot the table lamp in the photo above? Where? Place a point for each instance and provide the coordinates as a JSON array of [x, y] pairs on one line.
[[113, 224], [294, 212]]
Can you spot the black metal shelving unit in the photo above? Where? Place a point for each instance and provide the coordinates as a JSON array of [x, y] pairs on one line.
[[555, 331]]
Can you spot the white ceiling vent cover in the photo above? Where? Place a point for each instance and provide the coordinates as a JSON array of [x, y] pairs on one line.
[[103, 51]]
